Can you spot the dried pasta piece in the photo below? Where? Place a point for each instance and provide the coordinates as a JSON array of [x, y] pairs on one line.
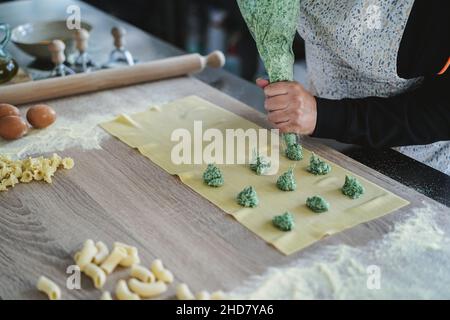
[[102, 252], [11, 181], [218, 295], [5, 172], [67, 163], [17, 170], [183, 292], [106, 295], [86, 254], [141, 273], [113, 260], [160, 272], [27, 176], [38, 174], [203, 295], [132, 255], [124, 293], [147, 290], [55, 161], [49, 287], [97, 275]]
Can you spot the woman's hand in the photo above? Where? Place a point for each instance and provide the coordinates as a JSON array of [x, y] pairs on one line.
[[290, 107]]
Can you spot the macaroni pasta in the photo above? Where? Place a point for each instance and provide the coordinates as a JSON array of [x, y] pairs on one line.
[[147, 290], [49, 287], [123, 293]]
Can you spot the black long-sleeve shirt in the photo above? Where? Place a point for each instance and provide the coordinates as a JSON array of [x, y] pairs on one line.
[[419, 116]]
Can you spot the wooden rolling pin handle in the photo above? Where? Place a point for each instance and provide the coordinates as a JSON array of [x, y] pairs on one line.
[[118, 34], [215, 59], [43, 90], [81, 40], [56, 48]]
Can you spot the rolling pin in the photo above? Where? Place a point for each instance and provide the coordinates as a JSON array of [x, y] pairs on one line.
[[39, 91]]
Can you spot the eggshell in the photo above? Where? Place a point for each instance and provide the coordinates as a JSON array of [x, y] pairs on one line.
[[12, 127], [7, 109], [41, 116]]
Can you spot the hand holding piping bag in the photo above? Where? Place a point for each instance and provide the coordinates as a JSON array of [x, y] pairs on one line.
[[273, 24]]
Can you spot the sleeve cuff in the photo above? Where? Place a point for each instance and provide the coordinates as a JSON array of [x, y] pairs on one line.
[[331, 120]]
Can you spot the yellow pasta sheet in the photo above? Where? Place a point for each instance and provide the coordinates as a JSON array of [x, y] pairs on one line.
[[150, 132]]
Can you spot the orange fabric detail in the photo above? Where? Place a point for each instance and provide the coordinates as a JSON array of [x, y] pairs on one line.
[[445, 67]]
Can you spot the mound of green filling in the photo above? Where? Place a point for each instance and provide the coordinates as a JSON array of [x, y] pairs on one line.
[[294, 152], [284, 222], [290, 138], [352, 188], [259, 164], [317, 204], [212, 176], [286, 181], [317, 166], [248, 197]]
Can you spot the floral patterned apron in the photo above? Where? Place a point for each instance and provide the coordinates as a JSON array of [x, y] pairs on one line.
[[351, 52]]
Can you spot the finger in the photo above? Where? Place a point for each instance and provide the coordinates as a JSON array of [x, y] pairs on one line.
[[277, 117], [276, 103], [277, 88], [285, 127], [262, 83]]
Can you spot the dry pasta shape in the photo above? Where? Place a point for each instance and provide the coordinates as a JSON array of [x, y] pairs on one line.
[[86, 255], [102, 252], [183, 292], [141, 273], [218, 295], [124, 293], [106, 296], [113, 260], [132, 255], [160, 272], [97, 275], [49, 287], [203, 295], [147, 290]]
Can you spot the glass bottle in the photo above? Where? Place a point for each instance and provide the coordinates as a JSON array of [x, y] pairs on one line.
[[8, 66]]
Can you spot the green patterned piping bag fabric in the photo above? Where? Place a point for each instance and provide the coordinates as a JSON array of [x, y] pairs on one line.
[[273, 24]]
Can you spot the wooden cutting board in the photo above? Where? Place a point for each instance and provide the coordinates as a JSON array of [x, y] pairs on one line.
[[116, 194]]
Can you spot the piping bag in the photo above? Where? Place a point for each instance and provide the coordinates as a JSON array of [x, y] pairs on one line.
[[273, 24]]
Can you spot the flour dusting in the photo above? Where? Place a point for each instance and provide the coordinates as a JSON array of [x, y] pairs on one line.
[[414, 262], [79, 127]]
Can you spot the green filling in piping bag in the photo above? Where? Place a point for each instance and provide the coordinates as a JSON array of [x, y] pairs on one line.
[[273, 24]]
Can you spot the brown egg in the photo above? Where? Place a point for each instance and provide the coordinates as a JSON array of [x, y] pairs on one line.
[[12, 127], [41, 116], [7, 109]]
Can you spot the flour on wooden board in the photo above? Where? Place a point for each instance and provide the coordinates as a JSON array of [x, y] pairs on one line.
[[78, 129], [413, 261]]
